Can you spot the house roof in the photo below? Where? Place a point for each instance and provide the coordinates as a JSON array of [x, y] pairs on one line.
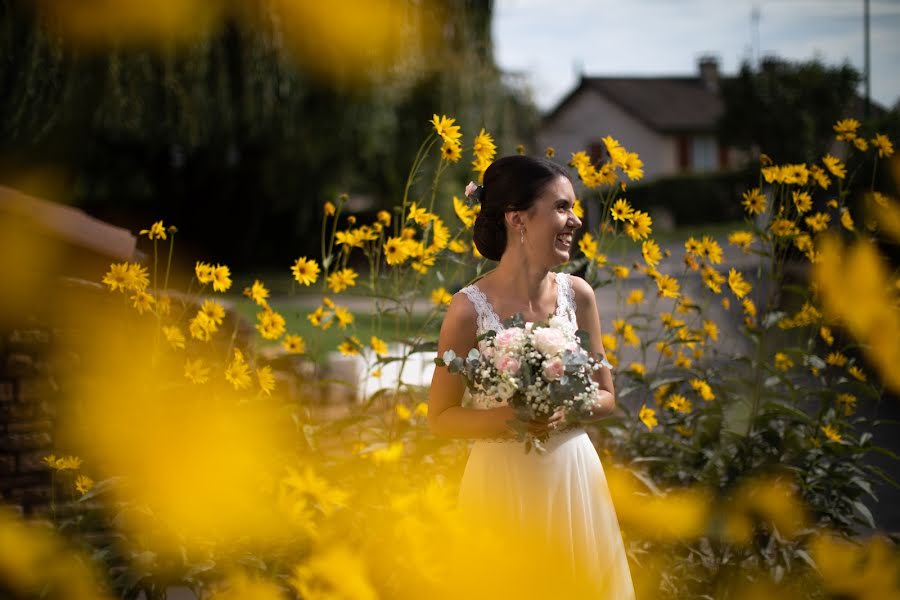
[[666, 104]]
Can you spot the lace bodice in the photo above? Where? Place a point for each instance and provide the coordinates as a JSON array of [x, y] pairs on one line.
[[488, 319]]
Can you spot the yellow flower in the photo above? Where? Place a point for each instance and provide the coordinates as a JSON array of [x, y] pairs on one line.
[[578, 209], [403, 412], [737, 284], [142, 301], [266, 379], [270, 325], [846, 129], [741, 239], [333, 574], [83, 483], [329, 209], [221, 278], [621, 210], [772, 173], [749, 307], [783, 362], [136, 277], [798, 174], [294, 344], [352, 238], [754, 201], [831, 433], [343, 316], [846, 220], [441, 296], [836, 359], [711, 330], [679, 403], [214, 311], [258, 293], [638, 369], [682, 361], [588, 246], [636, 296], [861, 144], [726, 303], [803, 201], [341, 280], [440, 235], [549, 152], [617, 153], [580, 160], [396, 251], [609, 342], [237, 373], [710, 249], [445, 128], [885, 148], [847, 404], [822, 179], [350, 346], [421, 409], [818, 222], [640, 226], [480, 165], [204, 272], [451, 152], [195, 371], [483, 146], [833, 164], [703, 389], [464, 212], [384, 217], [712, 279], [856, 373], [156, 232], [174, 336], [633, 166], [620, 271], [458, 246], [668, 286], [379, 346], [651, 252], [305, 271], [201, 327], [825, 333], [117, 277], [783, 228], [648, 417]]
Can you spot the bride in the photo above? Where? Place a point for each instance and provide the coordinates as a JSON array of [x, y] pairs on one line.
[[557, 502]]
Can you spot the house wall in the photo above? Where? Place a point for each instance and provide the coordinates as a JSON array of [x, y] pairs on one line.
[[590, 117]]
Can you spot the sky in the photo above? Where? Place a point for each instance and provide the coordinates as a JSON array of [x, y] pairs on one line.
[[550, 42]]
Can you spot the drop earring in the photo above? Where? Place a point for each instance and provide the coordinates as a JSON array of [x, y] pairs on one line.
[[522, 236]]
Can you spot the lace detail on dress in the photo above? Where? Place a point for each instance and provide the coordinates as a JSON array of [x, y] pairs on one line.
[[487, 317], [565, 300]]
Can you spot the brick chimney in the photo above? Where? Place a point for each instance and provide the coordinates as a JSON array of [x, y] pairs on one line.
[[709, 72]]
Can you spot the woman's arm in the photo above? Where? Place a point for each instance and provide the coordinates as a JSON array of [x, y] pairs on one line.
[[446, 417], [589, 320]]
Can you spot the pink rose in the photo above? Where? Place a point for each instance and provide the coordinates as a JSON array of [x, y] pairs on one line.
[[509, 338], [486, 349], [508, 364], [471, 188], [554, 369], [549, 340]]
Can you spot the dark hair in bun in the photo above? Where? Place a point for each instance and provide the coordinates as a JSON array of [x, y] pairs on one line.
[[510, 183]]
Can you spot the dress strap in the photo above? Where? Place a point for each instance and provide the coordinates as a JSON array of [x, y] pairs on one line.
[[487, 316], [565, 298]]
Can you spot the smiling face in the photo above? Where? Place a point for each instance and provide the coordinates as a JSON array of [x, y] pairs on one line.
[[549, 224]]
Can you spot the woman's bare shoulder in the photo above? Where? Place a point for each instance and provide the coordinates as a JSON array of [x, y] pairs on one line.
[[584, 293]]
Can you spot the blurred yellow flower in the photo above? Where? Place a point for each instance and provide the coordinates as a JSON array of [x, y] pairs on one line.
[[421, 409], [344, 317], [333, 574], [294, 344], [588, 246], [196, 371], [818, 222], [339, 281], [350, 346], [711, 330], [204, 272], [201, 327], [306, 271], [640, 226], [638, 369], [396, 251], [270, 324], [836, 359], [451, 152], [63, 463], [783, 228], [825, 333], [142, 301], [861, 144], [156, 232], [609, 342], [679, 403], [221, 278], [266, 379], [83, 483], [741, 239], [549, 152], [797, 174], [483, 146], [402, 411], [648, 417], [214, 311], [822, 179], [846, 220], [258, 293], [834, 165], [464, 212], [736, 282], [174, 336], [580, 160], [772, 174], [578, 209], [712, 279], [379, 346], [384, 217], [636, 296], [441, 296], [847, 404], [651, 253], [682, 361], [117, 277], [329, 209], [445, 128], [388, 454], [633, 166], [885, 148], [856, 373], [782, 361], [749, 307], [846, 129], [831, 433], [754, 201], [480, 165], [703, 389], [802, 201], [710, 249], [237, 373], [668, 286]]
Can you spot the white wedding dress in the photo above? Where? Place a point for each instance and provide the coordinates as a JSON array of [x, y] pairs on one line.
[[558, 501]]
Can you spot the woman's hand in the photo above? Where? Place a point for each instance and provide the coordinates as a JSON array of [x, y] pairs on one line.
[[543, 426]]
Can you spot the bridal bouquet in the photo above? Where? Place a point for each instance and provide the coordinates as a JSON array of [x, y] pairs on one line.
[[537, 368]]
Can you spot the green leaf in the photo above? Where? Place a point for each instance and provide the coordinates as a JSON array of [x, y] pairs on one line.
[[737, 417], [864, 511], [865, 486]]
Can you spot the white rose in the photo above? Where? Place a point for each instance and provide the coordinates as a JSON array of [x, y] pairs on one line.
[[505, 390], [549, 340]]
